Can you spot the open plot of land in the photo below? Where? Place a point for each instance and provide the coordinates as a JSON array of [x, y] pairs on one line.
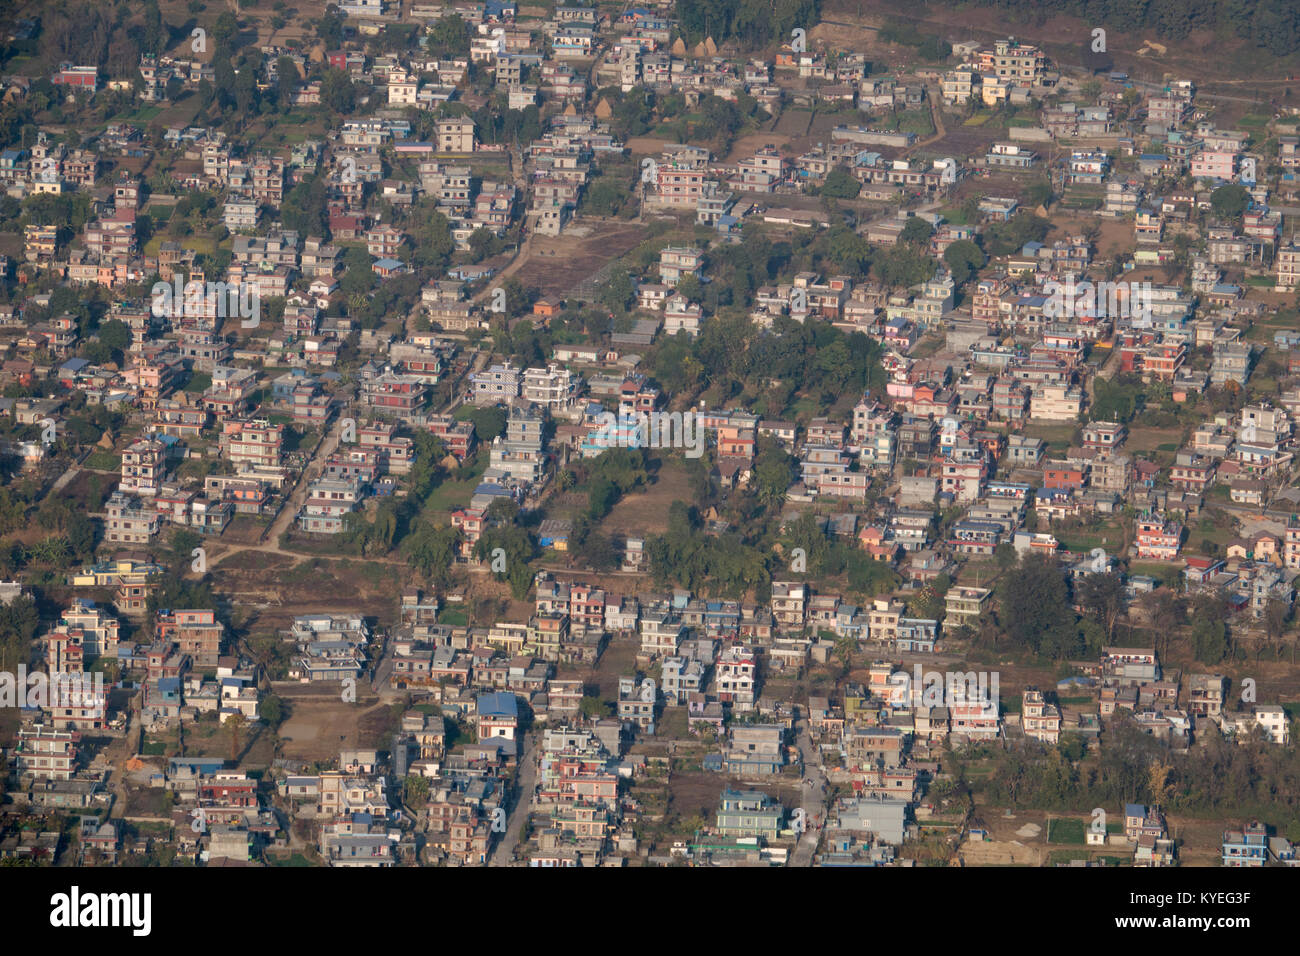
[[646, 512], [697, 793], [647, 145], [619, 660], [317, 586], [558, 264], [794, 123], [745, 146], [1154, 439], [316, 729]]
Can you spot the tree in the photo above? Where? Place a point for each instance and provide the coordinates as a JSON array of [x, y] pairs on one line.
[[963, 258], [449, 37], [235, 725], [844, 648], [1230, 201], [337, 92], [1209, 640], [618, 293], [415, 791], [916, 231], [286, 83], [115, 335], [225, 31], [1034, 608], [1102, 597], [1276, 615], [433, 242], [841, 184], [246, 91], [431, 549], [1005, 555]]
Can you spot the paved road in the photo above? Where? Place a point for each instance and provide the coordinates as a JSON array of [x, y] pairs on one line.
[[814, 796], [505, 850]]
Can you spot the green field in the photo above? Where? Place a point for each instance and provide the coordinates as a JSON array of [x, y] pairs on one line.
[[103, 461], [1066, 831]]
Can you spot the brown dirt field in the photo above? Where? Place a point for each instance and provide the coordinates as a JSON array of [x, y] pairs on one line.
[[244, 529], [279, 594], [1202, 839], [793, 124], [317, 729], [1203, 54], [647, 145], [696, 792], [259, 561], [559, 264], [746, 146], [646, 512], [1115, 234], [619, 660], [962, 141], [78, 489]]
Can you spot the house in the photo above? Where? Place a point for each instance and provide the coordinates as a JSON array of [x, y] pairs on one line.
[[1039, 720], [754, 750], [749, 813], [1247, 846]]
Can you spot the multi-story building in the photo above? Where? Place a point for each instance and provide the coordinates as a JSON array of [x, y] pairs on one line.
[[1205, 693], [1039, 720], [1246, 847], [44, 753], [789, 600], [1157, 539], [143, 467], [196, 632], [127, 520], [252, 442]]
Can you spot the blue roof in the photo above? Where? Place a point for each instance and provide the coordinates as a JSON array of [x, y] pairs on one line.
[[74, 365], [1134, 810], [498, 704]]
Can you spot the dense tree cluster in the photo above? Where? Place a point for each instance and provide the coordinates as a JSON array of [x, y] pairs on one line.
[[1220, 778], [1273, 25], [751, 23]]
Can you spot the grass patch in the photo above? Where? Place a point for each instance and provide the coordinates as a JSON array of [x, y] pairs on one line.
[[1066, 831], [453, 494], [104, 461], [296, 860]]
